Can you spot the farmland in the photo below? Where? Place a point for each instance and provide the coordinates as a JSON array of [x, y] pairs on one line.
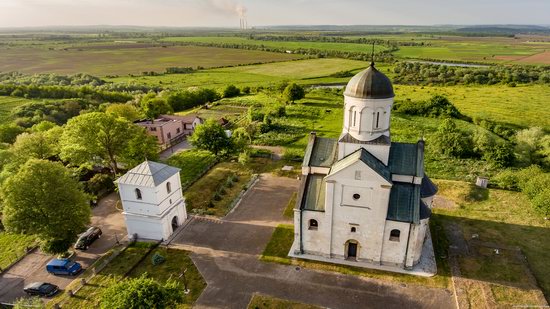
[[291, 45], [122, 60], [308, 71]]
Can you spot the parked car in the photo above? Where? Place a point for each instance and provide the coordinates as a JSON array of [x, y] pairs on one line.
[[41, 289], [87, 238], [63, 267]]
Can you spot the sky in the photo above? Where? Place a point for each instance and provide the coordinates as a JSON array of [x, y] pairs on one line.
[[225, 13]]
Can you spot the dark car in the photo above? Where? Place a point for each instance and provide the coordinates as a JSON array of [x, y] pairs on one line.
[[87, 238], [41, 289], [63, 267]]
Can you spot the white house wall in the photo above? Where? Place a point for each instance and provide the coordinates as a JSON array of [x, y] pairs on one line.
[[393, 252], [367, 214], [147, 228], [314, 240]]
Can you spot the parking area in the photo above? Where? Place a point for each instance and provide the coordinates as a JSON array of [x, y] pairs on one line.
[[226, 252], [32, 267]]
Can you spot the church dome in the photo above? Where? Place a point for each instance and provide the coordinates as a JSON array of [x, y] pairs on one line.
[[370, 84]]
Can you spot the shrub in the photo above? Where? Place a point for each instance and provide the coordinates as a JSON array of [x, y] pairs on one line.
[[157, 259], [450, 141], [217, 196], [507, 179], [437, 106], [536, 184], [231, 91], [293, 154], [541, 202]]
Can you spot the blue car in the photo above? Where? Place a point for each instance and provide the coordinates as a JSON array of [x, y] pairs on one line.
[[63, 267]]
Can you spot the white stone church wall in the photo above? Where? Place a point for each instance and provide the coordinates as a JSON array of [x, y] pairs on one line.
[[314, 241], [146, 228], [393, 251], [367, 214], [416, 242]]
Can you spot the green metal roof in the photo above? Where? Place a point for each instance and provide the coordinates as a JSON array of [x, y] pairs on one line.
[[324, 152], [404, 203], [407, 159], [315, 193], [367, 158]]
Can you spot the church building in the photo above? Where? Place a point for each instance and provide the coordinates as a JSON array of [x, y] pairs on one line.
[[152, 200], [363, 199]]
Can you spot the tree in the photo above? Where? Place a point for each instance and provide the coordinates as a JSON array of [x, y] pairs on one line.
[[212, 137], [43, 199], [126, 111], [98, 138], [451, 141], [8, 132], [142, 292], [38, 145], [231, 91], [528, 145], [293, 92], [43, 126], [153, 106]]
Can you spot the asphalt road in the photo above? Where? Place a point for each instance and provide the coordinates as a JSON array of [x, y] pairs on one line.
[[226, 252], [32, 268]]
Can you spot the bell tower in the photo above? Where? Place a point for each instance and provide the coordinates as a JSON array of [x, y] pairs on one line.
[[368, 100]]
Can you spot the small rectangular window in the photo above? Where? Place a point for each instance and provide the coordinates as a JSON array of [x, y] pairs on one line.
[[357, 175]]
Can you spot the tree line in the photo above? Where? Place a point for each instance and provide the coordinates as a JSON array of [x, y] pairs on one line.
[[426, 73]]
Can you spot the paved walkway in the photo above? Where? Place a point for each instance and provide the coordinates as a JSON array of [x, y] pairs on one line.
[[226, 252], [182, 146], [32, 267]]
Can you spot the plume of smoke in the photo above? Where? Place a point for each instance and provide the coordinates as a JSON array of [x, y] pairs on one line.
[[228, 6]]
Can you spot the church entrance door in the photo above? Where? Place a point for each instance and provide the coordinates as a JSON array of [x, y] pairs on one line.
[[174, 223], [352, 250]]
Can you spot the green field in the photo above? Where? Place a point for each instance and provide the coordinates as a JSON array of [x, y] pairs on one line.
[[524, 105], [290, 45], [7, 104], [122, 60], [310, 71]]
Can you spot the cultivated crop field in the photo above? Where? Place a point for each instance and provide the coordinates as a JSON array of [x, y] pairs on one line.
[[116, 59], [477, 49]]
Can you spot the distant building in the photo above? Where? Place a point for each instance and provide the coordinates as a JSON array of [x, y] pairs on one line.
[[363, 199], [152, 200], [169, 129]]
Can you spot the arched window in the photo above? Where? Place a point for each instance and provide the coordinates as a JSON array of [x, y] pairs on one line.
[[394, 235], [354, 117], [138, 194], [168, 187], [378, 120], [353, 229], [313, 225]]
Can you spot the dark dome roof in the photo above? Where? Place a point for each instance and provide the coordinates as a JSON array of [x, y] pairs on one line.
[[370, 84]]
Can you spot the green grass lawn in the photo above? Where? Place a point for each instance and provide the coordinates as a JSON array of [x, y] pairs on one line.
[[176, 261], [504, 218], [192, 163], [267, 302], [200, 197], [13, 246], [279, 245], [121, 60], [7, 104]]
